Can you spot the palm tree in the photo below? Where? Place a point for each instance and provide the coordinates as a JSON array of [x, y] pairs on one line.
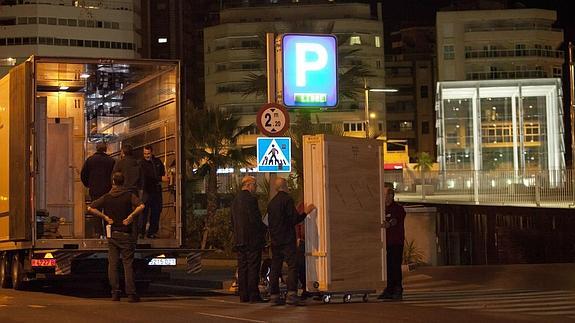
[[211, 143], [424, 164]]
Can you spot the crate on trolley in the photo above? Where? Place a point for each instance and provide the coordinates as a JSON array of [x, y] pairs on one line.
[[345, 237]]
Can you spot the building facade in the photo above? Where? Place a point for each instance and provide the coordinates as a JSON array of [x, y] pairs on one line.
[[107, 29], [501, 125], [498, 44], [174, 30], [410, 68], [234, 52]]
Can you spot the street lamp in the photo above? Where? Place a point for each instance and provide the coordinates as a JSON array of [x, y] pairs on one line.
[[366, 90]]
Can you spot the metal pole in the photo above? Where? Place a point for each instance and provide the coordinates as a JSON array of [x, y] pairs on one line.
[[572, 116], [271, 67], [366, 108], [271, 91]]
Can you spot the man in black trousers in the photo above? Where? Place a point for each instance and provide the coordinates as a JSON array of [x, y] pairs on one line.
[[120, 207], [394, 237], [153, 173], [283, 217], [96, 175], [249, 235]]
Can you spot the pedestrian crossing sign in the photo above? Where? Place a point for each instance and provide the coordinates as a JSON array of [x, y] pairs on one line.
[[274, 154]]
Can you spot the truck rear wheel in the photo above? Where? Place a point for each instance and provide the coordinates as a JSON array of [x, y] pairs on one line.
[[5, 281], [17, 273]]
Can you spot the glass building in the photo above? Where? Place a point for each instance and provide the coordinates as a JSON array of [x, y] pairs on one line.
[[500, 125]]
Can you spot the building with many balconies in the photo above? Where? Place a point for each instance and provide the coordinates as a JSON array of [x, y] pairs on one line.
[[498, 44], [85, 28], [235, 49]]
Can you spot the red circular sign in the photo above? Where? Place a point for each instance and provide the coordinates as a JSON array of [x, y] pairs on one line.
[[273, 119]]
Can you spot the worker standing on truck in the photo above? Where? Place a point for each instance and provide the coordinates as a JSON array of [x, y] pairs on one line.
[[130, 168], [120, 206], [96, 172], [96, 175], [153, 173]]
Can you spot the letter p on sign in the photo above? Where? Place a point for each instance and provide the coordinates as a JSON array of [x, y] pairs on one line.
[[304, 64], [309, 70]]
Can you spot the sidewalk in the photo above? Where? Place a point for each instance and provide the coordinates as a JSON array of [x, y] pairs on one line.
[[218, 274]]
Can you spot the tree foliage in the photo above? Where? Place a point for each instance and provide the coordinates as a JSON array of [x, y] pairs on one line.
[[211, 143]]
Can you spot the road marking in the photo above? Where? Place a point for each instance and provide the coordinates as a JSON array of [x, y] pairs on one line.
[[37, 306], [532, 302], [231, 317], [224, 301]]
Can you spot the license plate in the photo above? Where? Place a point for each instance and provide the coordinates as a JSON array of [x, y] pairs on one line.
[[162, 262], [43, 262]]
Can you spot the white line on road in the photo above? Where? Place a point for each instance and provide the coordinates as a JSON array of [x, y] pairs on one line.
[[231, 317]]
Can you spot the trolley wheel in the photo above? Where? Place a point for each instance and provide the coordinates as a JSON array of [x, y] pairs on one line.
[[347, 298], [365, 298], [326, 298]]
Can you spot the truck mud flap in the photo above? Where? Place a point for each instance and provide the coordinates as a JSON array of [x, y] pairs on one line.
[[194, 262]]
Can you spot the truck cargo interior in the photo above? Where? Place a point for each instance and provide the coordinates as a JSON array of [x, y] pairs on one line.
[[79, 104]]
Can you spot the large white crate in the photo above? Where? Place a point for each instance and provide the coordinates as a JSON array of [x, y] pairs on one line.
[[345, 238]]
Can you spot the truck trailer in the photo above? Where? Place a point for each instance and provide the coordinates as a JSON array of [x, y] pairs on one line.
[[53, 113]]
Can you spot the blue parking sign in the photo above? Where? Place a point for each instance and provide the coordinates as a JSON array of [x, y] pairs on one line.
[[309, 70], [274, 154]]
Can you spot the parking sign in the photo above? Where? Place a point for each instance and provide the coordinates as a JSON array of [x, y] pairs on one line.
[[309, 70]]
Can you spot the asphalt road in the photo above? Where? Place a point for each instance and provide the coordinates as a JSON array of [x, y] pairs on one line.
[[85, 302]]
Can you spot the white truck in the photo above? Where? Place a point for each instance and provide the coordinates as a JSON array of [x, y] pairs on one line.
[[53, 112]]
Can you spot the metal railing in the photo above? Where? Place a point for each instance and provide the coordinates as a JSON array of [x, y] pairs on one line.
[[511, 28], [552, 188], [524, 52], [501, 75]]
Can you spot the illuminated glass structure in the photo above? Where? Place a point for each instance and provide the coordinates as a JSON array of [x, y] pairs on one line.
[[500, 125]]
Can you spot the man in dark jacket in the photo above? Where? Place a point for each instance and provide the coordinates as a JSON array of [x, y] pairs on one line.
[[283, 217], [120, 207], [249, 233], [130, 168], [96, 172], [153, 173], [394, 237]]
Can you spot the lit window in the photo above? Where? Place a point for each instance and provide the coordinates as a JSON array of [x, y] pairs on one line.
[[377, 41], [162, 40], [355, 40]]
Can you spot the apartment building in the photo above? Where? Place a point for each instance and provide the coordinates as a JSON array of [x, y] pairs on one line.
[[498, 44], [410, 68], [235, 50], [90, 28], [510, 118]]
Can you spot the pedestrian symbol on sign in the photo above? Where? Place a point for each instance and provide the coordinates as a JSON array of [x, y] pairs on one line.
[[274, 154]]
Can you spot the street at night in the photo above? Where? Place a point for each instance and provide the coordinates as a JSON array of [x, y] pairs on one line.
[[514, 293], [287, 161]]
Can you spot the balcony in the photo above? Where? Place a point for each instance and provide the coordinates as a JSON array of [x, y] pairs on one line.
[[505, 75], [528, 52], [472, 29]]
